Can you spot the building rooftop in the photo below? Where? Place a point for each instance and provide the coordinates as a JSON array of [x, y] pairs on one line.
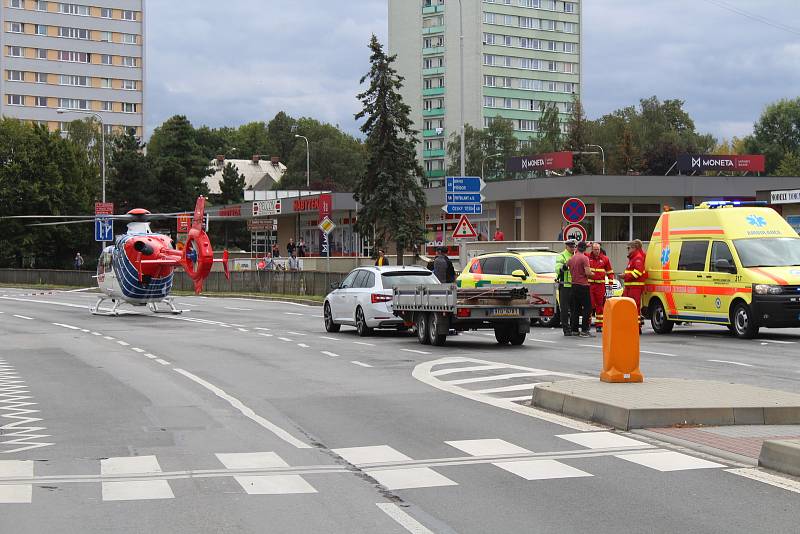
[[258, 174]]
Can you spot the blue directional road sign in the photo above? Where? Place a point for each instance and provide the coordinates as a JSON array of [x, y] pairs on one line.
[[103, 229], [465, 198], [463, 209], [465, 184]]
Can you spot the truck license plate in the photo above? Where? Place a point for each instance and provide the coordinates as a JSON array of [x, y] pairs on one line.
[[506, 312]]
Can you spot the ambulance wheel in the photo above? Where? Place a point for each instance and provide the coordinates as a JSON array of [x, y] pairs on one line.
[[421, 322], [502, 334], [744, 325], [658, 319], [436, 339]]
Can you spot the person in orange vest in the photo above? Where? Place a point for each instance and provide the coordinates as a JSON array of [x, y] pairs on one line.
[[601, 272], [635, 275]]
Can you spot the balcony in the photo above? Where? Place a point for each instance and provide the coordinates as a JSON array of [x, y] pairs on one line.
[[433, 71], [432, 133], [440, 153], [433, 30], [436, 112], [435, 174], [430, 10], [433, 91], [433, 50]]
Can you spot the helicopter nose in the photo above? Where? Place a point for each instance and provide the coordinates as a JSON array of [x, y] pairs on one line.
[[144, 248]]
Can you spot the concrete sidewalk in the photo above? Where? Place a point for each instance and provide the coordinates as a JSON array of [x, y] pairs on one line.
[[668, 402]]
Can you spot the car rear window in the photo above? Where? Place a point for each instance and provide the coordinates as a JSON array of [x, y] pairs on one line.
[[402, 278]]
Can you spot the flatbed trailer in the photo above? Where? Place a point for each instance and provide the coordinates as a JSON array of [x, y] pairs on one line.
[[436, 311]]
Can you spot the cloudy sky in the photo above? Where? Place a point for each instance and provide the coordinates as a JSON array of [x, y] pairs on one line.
[[726, 58]]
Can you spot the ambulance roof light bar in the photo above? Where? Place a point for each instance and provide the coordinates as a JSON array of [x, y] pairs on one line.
[[714, 204]]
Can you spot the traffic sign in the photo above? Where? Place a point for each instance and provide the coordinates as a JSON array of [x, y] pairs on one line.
[[327, 225], [575, 231], [463, 209], [103, 208], [464, 229], [465, 198], [103, 229], [574, 210], [465, 184]]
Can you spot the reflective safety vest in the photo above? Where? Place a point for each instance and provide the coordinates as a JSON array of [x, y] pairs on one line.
[[635, 273], [601, 269]]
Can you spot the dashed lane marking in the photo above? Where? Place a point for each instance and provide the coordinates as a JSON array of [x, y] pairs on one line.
[[658, 353], [295, 333], [286, 339], [295, 314], [109, 338], [239, 309], [360, 364], [732, 363], [23, 317], [152, 356], [162, 362], [262, 329], [415, 351], [247, 412], [266, 335], [363, 344], [542, 340], [123, 343], [243, 330], [330, 338], [331, 354], [302, 345], [67, 326], [137, 349]]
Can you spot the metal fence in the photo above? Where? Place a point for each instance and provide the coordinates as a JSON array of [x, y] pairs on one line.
[[309, 283]]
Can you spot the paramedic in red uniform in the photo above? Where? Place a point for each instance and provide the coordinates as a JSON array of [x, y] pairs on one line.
[[601, 274], [635, 274]]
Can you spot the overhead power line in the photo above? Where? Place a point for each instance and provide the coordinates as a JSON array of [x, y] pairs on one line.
[[755, 17]]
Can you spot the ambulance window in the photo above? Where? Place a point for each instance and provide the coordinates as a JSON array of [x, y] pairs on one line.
[[513, 264], [693, 256], [475, 267], [493, 265], [720, 251]]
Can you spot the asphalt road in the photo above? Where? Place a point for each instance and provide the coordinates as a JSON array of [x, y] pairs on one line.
[[245, 416]]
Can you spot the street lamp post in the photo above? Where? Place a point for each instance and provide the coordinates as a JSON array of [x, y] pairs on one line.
[[62, 111], [463, 129], [484, 162], [308, 160], [603, 155]]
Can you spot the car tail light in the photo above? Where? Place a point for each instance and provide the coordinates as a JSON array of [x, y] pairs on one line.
[[548, 312], [377, 297], [463, 312]]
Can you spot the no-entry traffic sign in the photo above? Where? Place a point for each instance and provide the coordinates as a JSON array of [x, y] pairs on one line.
[[573, 210], [576, 232]]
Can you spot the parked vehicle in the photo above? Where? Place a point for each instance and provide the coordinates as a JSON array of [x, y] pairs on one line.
[[364, 298], [437, 311], [727, 263]]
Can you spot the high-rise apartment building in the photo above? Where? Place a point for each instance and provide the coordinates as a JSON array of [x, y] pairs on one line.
[[83, 57], [518, 56]]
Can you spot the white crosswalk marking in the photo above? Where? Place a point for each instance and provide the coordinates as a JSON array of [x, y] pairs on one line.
[[669, 461], [527, 469], [602, 440], [264, 485], [136, 489], [16, 493], [393, 479]]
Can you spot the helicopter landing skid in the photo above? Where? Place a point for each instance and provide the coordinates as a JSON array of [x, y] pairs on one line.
[[169, 302], [96, 309]]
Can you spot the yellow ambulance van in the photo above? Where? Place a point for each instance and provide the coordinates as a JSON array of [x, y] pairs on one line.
[[729, 263]]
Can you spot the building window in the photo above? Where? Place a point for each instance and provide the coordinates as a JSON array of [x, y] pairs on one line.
[[73, 103], [129, 85], [488, 18], [105, 83], [508, 103], [488, 102], [41, 29], [528, 125], [489, 81], [570, 27], [73, 33], [129, 38], [73, 57], [41, 77], [19, 4], [488, 38], [15, 76], [73, 9], [128, 15], [569, 7], [41, 5], [108, 129], [41, 53], [16, 27], [107, 106], [570, 48], [106, 37], [41, 101], [81, 81], [15, 51], [128, 61], [15, 100], [106, 12], [128, 107], [106, 59]]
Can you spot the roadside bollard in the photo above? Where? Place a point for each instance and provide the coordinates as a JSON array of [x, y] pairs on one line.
[[621, 341]]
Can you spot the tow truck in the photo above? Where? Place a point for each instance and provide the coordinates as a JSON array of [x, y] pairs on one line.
[[437, 311]]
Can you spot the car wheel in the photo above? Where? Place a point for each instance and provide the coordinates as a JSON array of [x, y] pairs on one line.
[[658, 319], [551, 322], [330, 326], [502, 334], [436, 339], [361, 323], [744, 325], [421, 322]]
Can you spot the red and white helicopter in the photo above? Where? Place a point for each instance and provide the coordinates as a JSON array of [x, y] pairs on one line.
[[139, 268]]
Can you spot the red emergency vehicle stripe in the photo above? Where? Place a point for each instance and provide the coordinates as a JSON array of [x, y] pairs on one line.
[[672, 307], [771, 276], [702, 231], [698, 290]]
